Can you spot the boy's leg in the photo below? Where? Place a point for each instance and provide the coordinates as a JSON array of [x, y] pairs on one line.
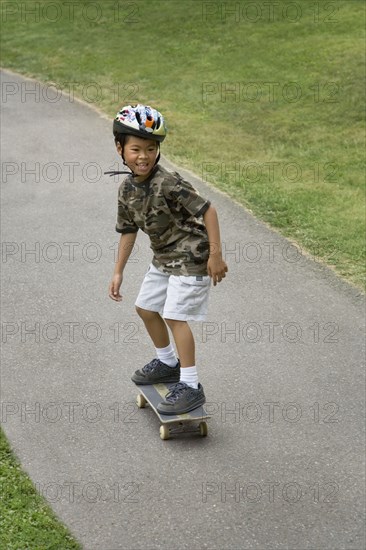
[[150, 301], [187, 299], [155, 326], [185, 345], [165, 367], [184, 341], [158, 332]]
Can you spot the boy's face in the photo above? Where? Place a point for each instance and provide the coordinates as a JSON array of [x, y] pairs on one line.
[[140, 155]]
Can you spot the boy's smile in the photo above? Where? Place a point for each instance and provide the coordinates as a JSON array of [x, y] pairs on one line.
[[140, 155]]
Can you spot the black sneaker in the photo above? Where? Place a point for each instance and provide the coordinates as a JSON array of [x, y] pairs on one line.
[[181, 399], [157, 372]]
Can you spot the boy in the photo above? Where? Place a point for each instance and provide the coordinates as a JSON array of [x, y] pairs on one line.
[[185, 239]]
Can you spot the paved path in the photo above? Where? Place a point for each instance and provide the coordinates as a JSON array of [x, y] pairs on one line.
[[280, 356]]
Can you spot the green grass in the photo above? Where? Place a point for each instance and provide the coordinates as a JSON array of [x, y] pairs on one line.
[[26, 520], [166, 53]]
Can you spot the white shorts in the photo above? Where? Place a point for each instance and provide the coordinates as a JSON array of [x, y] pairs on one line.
[[175, 296]]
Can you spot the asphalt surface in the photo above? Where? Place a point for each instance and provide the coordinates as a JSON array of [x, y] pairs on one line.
[[280, 356]]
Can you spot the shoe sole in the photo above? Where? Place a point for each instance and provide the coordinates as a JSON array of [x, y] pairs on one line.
[[151, 383]]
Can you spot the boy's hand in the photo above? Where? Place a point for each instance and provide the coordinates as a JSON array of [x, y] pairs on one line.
[[216, 268], [114, 287]]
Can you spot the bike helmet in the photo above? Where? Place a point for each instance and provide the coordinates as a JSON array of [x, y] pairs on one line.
[[141, 121], [138, 120]]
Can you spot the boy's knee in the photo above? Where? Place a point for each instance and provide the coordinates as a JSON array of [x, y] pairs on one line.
[[145, 313], [173, 322]]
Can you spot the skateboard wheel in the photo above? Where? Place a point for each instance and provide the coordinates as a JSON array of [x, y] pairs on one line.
[[141, 401], [164, 432], [203, 429]]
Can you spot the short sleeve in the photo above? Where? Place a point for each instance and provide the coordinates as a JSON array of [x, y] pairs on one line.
[[125, 223], [187, 196]]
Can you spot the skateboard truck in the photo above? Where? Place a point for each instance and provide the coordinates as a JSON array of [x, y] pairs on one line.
[[191, 422]]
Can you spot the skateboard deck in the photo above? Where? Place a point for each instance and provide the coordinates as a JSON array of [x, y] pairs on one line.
[[171, 423]]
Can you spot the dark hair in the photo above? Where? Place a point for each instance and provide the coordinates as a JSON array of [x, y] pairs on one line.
[[123, 138], [120, 138]]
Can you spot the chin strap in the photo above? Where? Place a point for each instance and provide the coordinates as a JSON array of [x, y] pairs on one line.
[[115, 173]]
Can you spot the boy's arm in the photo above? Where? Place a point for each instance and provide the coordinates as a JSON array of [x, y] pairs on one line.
[[216, 267], [125, 247]]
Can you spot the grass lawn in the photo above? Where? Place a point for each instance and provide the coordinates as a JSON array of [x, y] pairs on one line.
[[264, 102], [27, 522]]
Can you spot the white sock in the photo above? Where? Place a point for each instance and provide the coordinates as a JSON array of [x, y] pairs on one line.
[[167, 355], [189, 376]]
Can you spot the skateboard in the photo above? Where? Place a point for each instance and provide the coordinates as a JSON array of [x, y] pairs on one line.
[[193, 421]]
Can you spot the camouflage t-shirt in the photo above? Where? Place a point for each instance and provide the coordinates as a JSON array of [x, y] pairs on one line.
[[169, 210]]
